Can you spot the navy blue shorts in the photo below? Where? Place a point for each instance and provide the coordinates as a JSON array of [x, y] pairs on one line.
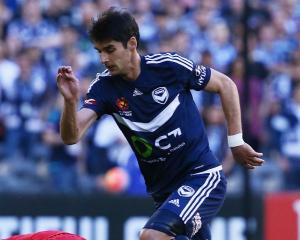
[[190, 208]]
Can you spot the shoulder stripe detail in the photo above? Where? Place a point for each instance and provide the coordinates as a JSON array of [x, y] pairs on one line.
[[173, 56], [170, 58], [97, 78], [155, 123]]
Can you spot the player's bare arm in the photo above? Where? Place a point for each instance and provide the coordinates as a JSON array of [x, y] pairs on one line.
[[226, 88], [73, 123]]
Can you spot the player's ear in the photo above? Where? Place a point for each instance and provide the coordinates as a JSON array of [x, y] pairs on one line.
[[132, 43]]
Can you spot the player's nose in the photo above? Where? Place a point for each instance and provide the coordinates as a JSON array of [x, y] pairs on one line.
[[104, 58]]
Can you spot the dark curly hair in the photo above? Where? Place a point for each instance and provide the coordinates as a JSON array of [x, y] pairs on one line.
[[114, 24]]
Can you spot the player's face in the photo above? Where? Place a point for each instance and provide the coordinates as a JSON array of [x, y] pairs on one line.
[[114, 56]]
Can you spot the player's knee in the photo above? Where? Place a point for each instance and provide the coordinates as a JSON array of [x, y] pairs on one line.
[[150, 234], [147, 234]]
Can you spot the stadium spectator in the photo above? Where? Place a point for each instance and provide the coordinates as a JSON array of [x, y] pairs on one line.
[[291, 141], [63, 159]]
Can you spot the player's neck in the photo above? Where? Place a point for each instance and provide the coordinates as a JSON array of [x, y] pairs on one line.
[[134, 68]]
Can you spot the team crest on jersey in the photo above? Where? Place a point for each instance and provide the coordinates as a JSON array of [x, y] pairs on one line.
[[160, 95], [185, 191]]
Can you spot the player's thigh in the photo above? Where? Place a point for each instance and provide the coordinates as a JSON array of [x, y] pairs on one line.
[[166, 222], [203, 233]]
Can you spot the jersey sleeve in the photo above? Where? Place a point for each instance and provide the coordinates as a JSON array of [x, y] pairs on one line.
[[94, 98], [192, 75]]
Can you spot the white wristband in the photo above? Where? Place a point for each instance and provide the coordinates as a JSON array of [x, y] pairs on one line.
[[235, 140]]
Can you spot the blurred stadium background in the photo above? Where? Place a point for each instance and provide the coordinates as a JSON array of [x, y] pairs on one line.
[[44, 184]]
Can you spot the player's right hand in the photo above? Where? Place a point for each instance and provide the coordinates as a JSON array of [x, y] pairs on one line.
[[68, 84]]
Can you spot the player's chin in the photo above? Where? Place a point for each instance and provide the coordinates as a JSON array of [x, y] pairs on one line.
[[112, 69], [113, 72]]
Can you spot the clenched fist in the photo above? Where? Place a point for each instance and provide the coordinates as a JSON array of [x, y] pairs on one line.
[[68, 84]]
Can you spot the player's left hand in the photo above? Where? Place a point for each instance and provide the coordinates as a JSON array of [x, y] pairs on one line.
[[247, 156]]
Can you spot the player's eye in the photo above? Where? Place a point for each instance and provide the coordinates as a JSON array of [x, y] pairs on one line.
[[110, 50]]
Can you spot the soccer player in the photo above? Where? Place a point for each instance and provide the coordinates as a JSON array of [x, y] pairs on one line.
[[149, 98], [47, 235]]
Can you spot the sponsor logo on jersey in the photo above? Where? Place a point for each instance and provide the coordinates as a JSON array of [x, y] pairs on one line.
[[185, 191], [175, 202], [178, 147], [90, 101], [155, 160], [166, 138], [196, 223], [122, 104], [137, 92], [200, 72], [160, 95], [142, 146]]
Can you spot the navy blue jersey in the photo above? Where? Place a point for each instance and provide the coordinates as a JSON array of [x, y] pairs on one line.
[[158, 116]]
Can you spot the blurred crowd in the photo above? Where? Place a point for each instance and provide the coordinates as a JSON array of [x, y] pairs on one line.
[[37, 36]]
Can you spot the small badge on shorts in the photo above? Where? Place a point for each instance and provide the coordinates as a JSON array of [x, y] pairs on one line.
[[185, 191], [197, 223]]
